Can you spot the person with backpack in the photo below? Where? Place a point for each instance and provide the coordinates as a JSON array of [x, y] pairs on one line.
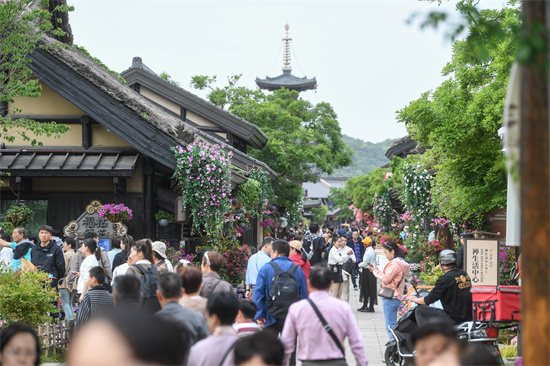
[[314, 245], [140, 264], [280, 283]]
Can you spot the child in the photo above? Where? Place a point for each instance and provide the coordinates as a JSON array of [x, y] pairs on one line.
[[97, 299], [244, 321]]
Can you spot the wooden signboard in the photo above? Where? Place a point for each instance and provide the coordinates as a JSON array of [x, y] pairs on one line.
[[90, 221], [481, 261]]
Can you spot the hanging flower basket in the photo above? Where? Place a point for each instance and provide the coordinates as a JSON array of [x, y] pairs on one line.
[[113, 218], [204, 175], [115, 213]]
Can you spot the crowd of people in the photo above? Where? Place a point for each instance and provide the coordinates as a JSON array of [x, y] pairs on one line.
[[136, 308]]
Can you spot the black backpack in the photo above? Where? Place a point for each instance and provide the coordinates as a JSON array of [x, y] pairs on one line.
[[149, 286], [284, 291]]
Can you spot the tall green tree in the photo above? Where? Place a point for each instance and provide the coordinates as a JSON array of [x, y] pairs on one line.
[[460, 119], [22, 24], [304, 139]]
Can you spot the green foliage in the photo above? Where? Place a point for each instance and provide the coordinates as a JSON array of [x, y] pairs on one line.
[[26, 297], [204, 174], [461, 118], [249, 194], [338, 198], [508, 351], [367, 157], [265, 184], [508, 260], [99, 62], [19, 215], [163, 215], [361, 190], [169, 79], [431, 274], [21, 27], [320, 214], [304, 139]]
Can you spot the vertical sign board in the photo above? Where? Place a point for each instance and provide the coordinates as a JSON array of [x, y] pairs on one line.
[[481, 261]]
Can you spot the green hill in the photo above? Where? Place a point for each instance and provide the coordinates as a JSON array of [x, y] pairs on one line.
[[368, 156]]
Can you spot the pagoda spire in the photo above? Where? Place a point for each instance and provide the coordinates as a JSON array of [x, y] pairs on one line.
[[286, 55], [286, 79]]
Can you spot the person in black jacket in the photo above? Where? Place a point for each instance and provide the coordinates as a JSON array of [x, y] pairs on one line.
[[356, 244], [48, 257], [314, 245], [454, 291]]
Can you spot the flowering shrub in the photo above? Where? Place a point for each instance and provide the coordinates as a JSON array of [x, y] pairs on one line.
[[116, 210], [431, 274], [174, 256], [204, 174], [269, 219], [235, 255], [236, 260], [416, 198], [383, 211], [507, 258], [26, 297]]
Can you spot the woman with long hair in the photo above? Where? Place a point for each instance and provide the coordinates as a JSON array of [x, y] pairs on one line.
[[393, 277], [92, 257], [368, 282], [140, 254], [126, 242]]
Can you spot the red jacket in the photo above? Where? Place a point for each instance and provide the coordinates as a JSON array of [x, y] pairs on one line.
[[306, 266]]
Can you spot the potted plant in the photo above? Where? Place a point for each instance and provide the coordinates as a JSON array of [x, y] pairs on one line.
[[19, 215], [164, 218], [115, 213]]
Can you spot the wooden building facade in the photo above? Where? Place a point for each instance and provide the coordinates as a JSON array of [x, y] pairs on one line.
[[119, 146]]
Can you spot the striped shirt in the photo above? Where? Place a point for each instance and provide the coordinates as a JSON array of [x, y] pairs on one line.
[[96, 301]]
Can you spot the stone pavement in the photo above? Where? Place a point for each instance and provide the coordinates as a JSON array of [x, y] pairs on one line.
[[372, 329]]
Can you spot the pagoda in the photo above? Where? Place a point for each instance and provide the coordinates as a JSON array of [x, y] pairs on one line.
[[286, 79]]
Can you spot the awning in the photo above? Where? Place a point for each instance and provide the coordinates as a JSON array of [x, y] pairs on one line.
[[43, 163]]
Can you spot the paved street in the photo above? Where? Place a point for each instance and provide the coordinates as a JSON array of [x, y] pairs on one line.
[[372, 330]]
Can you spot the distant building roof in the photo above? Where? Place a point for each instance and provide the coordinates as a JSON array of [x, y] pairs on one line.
[[286, 79], [403, 147]]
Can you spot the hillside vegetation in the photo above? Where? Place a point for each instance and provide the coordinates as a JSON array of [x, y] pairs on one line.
[[368, 156]]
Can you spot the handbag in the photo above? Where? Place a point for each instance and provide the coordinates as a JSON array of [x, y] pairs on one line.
[[387, 292], [349, 266], [336, 273]]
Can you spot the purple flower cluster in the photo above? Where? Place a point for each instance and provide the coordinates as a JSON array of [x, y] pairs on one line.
[[204, 174], [119, 210]]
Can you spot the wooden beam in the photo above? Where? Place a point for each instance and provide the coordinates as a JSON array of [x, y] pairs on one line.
[[534, 167], [86, 132]]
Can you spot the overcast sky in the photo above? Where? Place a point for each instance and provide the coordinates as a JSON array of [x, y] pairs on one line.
[[367, 60]]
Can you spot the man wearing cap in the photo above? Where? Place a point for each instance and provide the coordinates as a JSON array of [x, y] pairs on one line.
[[454, 291], [460, 250], [255, 263], [159, 258]]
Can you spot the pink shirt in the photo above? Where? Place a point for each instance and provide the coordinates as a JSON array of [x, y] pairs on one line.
[[315, 342]]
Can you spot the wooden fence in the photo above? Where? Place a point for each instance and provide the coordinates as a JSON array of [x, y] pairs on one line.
[[55, 337]]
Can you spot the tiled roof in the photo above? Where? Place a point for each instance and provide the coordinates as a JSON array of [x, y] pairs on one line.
[[287, 80]]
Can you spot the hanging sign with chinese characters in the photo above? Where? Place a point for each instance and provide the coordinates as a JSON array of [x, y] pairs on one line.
[[481, 261], [90, 221]]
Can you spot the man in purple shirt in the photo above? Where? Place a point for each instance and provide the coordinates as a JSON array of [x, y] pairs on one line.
[[316, 344]]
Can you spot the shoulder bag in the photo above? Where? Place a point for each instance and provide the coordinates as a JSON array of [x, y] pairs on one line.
[[328, 328], [387, 292]]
